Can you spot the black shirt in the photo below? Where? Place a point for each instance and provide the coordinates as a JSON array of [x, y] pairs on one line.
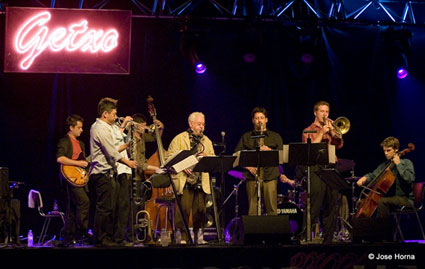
[[271, 139]]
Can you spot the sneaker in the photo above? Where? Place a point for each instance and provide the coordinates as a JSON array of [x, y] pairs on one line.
[[183, 242]]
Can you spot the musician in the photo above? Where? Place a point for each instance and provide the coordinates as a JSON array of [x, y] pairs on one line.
[[71, 151], [102, 182], [272, 140], [322, 195], [121, 193], [401, 193], [192, 186], [144, 134]]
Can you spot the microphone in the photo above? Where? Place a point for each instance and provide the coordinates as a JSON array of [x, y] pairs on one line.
[[223, 133]]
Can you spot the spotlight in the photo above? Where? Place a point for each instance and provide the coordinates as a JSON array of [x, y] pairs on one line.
[[249, 57], [402, 73], [200, 68], [307, 58]]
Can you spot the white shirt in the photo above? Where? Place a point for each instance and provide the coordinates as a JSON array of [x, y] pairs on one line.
[[103, 153], [119, 139]]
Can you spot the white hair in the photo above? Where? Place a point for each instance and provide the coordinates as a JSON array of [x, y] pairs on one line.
[[193, 115]]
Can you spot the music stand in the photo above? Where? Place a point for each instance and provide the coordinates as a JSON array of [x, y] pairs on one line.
[[177, 157], [213, 164], [257, 158], [308, 154], [333, 179]]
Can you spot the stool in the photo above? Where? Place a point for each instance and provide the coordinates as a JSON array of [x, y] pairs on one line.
[[168, 203]]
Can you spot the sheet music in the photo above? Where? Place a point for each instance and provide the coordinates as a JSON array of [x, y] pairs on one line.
[[187, 163], [171, 157]]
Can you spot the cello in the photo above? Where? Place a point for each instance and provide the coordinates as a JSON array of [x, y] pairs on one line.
[[378, 187], [157, 159]]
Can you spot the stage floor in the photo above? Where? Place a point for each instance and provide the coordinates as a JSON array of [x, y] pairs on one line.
[[342, 255]]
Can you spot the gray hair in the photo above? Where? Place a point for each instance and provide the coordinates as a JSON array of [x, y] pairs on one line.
[[193, 115]]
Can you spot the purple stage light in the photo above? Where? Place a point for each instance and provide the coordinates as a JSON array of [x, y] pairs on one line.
[[402, 73], [200, 68], [249, 57], [307, 58]]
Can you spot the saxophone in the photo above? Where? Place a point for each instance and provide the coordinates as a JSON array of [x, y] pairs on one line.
[[142, 224]]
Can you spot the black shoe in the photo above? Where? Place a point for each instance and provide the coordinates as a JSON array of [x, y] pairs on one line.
[[125, 244], [328, 240], [108, 243]]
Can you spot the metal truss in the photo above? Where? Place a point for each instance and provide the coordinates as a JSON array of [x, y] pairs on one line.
[[366, 11]]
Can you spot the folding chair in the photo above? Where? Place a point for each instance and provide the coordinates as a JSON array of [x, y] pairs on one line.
[[35, 200], [418, 193]]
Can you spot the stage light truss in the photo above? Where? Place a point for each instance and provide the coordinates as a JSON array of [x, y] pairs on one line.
[[364, 11]]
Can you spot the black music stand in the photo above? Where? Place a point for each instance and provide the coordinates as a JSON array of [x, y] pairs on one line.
[[258, 158], [334, 179], [177, 158], [308, 154], [213, 164]]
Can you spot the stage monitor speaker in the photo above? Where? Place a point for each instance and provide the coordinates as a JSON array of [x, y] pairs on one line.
[[372, 230], [265, 229], [4, 182]]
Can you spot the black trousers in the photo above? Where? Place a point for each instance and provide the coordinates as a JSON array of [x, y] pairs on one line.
[[101, 188], [77, 212], [388, 204], [122, 206], [323, 199], [191, 201]]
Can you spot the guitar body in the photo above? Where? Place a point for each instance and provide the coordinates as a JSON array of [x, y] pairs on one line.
[[74, 175]]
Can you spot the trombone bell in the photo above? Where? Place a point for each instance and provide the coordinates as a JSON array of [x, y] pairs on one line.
[[341, 125]]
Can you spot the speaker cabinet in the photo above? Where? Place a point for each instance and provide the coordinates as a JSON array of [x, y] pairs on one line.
[[372, 230], [265, 229], [4, 182]]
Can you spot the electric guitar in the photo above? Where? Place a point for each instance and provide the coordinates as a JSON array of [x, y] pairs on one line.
[[75, 175]]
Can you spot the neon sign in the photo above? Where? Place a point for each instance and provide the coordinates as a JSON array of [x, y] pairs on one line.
[[43, 44]]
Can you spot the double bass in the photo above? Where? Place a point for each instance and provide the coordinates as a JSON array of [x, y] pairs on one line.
[[377, 188], [157, 159]]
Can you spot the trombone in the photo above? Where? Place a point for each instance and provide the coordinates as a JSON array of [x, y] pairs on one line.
[[341, 125]]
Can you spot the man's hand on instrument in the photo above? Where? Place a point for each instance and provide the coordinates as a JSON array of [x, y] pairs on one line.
[[326, 128], [82, 163], [285, 179], [188, 171], [159, 124], [361, 181], [126, 120], [396, 159], [131, 164], [252, 170], [265, 148]]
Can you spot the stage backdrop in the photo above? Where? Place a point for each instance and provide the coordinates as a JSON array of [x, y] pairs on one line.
[[248, 64]]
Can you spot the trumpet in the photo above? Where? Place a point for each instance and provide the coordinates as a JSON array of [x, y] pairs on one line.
[[141, 129], [138, 126], [341, 125]]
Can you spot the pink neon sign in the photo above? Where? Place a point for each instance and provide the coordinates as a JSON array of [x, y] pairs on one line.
[[47, 40]]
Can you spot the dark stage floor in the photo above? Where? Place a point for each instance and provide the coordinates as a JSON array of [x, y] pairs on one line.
[[344, 255]]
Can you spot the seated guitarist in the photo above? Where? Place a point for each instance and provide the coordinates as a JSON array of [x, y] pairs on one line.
[[71, 151]]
